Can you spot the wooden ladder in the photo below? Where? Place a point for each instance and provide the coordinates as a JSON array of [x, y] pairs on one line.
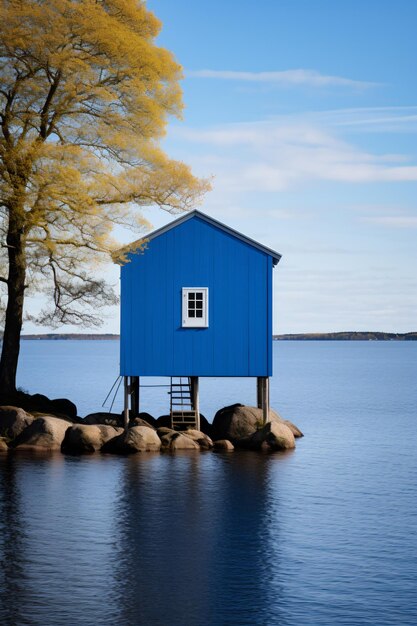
[[183, 413]]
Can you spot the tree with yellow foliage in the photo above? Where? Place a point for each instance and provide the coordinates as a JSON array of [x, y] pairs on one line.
[[85, 94]]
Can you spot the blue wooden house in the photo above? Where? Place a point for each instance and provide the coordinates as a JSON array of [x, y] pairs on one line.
[[195, 301]]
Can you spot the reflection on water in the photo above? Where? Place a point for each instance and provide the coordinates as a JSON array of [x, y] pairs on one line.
[[196, 532], [194, 539], [185, 539], [323, 536], [56, 549]]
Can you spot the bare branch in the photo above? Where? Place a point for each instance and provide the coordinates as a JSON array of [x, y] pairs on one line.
[[45, 130]]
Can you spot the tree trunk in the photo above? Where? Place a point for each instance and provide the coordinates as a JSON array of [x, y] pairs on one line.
[[14, 312]]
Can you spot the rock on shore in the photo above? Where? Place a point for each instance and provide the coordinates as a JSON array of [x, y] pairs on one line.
[[105, 419], [13, 420], [273, 436], [184, 440], [86, 439], [234, 426], [38, 403], [238, 423], [135, 439], [44, 433], [223, 445], [203, 440]]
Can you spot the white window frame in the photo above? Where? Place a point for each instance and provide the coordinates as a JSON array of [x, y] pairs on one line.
[[194, 322]]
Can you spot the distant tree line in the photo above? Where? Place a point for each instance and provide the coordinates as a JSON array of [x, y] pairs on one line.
[[342, 336], [348, 336]]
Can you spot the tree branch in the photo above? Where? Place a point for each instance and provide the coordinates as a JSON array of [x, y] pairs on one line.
[[44, 131]]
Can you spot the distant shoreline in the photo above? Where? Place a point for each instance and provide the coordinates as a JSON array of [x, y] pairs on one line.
[[340, 336], [348, 336], [80, 336]]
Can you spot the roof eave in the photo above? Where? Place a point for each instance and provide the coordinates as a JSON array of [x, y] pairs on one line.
[[211, 220]]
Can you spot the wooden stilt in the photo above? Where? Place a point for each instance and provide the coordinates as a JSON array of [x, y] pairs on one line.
[[196, 399], [134, 392], [262, 397], [266, 417], [259, 392], [126, 403]]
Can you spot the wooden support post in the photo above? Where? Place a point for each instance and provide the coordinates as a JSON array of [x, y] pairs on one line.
[[259, 392], [196, 399], [262, 397], [134, 392], [266, 401], [126, 403]]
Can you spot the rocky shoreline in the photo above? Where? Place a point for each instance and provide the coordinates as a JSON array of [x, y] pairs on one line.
[[60, 429]]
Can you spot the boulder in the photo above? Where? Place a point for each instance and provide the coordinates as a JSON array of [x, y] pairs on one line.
[[273, 436], [147, 418], [135, 439], [166, 435], [3, 445], [199, 437], [44, 433], [293, 428], [87, 438], [37, 400], [238, 422], [13, 421], [223, 445], [106, 419], [164, 430], [62, 406], [39, 403], [174, 440], [205, 426], [163, 421], [139, 421], [182, 442]]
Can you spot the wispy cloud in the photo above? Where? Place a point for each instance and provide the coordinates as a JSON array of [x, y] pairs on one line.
[[298, 77], [393, 221], [353, 298], [369, 119], [283, 153]]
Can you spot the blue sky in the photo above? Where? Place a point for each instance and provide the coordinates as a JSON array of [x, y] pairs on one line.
[[305, 114]]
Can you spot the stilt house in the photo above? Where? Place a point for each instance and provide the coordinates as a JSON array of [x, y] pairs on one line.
[[196, 300]]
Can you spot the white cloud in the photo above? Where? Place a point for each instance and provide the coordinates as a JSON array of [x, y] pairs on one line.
[[310, 78], [352, 298], [395, 221], [284, 153], [369, 119]]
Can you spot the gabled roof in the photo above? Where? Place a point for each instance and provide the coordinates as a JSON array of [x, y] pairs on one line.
[[139, 244]]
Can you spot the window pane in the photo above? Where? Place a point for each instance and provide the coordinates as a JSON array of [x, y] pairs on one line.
[[195, 307]]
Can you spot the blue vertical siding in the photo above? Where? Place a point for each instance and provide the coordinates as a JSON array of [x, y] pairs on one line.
[[238, 340]]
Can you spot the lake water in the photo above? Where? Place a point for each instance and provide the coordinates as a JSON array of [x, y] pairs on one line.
[[323, 536]]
